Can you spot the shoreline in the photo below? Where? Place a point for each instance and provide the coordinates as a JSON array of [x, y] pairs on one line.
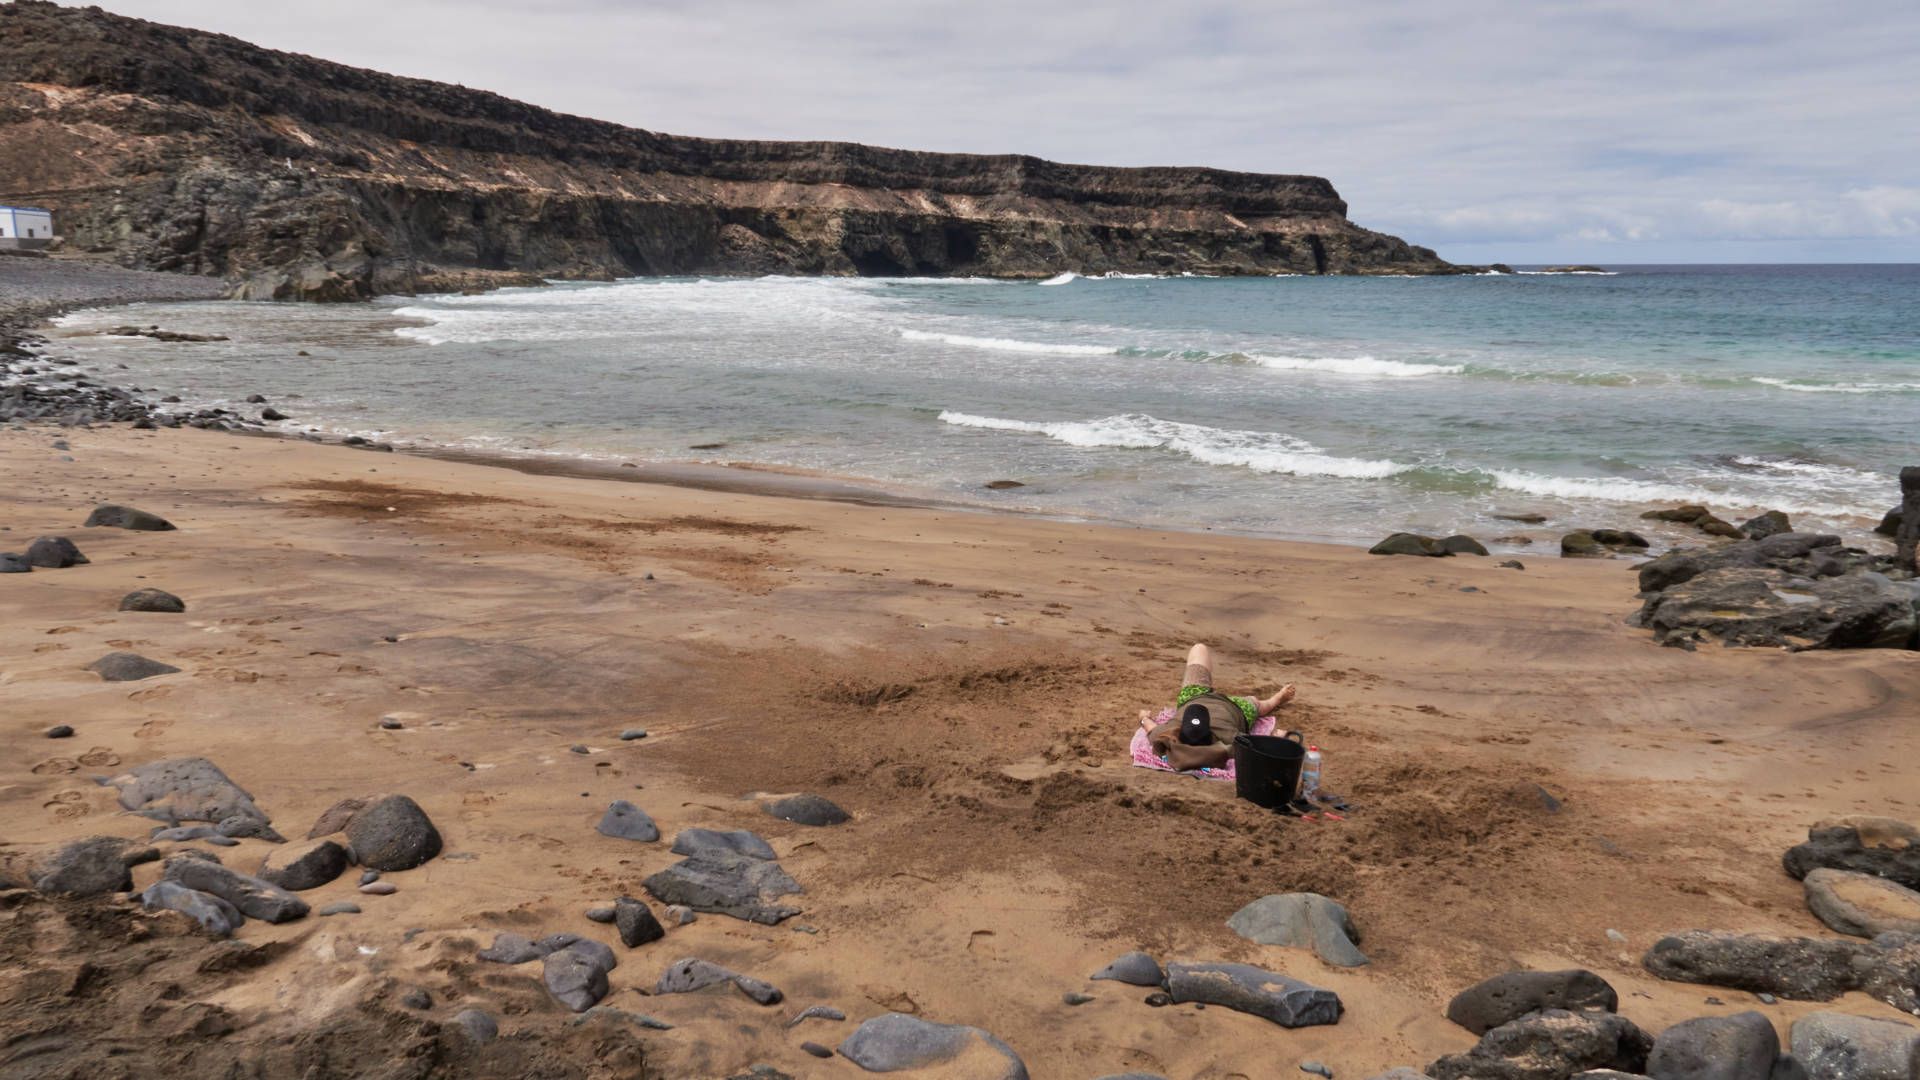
[[780, 479]]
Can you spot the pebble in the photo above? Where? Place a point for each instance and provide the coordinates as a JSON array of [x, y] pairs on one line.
[[417, 999], [633, 733], [1767, 999], [380, 888], [390, 724], [1316, 1068], [600, 914], [1159, 1000], [369, 877], [1616, 935], [579, 749], [59, 731], [817, 1012], [680, 915], [1076, 999], [816, 1049], [344, 907]]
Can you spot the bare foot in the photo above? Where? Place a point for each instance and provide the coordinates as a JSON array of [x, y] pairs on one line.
[[1272, 704]]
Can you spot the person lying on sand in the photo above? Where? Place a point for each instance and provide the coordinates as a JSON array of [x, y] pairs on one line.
[[1201, 736]]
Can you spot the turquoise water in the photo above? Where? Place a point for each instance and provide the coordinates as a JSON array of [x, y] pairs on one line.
[[1328, 408]]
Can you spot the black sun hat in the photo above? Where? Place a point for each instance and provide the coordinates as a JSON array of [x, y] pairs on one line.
[[1196, 726]]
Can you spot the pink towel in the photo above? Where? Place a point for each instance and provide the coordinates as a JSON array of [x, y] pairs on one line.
[[1143, 755]]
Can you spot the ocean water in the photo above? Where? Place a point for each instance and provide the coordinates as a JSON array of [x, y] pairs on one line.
[[1321, 408]]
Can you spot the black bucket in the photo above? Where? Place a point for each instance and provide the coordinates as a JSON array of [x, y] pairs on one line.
[[1266, 768]]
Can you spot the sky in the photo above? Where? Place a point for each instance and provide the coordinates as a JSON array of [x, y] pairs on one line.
[[1520, 131]]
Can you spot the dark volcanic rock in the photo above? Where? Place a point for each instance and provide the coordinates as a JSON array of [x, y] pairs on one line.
[[304, 866], [1134, 969], [625, 821], [1739, 1047], [129, 667], [736, 885], [174, 790], [152, 600], [689, 975], [477, 1025], [512, 949], [1883, 847], [714, 842], [806, 810], [1301, 919], [1583, 545], [1462, 545], [636, 922], [1767, 524], [897, 1042], [14, 563], [1861, 904], [54, 553], [126, 517], [60, 731], [1806, 969], [384, 832], [96, 864], [1508, 997], [1550, 1045], [215, 915], [255, 898], [1803, 969], [1619, 538], [1807, 555], [1772, 608], [1283, 1000], [1890, 524], [1838, 1046], [1402, 543], [576, 976]]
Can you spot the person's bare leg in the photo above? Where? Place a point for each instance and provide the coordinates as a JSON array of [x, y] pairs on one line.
[[1271, 705], [1200, 656]]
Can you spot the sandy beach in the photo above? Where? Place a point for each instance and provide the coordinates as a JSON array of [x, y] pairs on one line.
[[963, 684]]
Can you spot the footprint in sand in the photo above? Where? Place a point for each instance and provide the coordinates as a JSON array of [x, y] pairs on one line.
[[99, 757], [68, 804], [150, 694], [982, 943], [59, 766], [51, 646], [152, 729], [64, 630]]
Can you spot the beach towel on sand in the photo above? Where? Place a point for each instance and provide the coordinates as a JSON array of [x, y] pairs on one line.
[[1143, 755]]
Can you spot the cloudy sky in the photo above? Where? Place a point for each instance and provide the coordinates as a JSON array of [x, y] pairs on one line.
[[1516, 130]]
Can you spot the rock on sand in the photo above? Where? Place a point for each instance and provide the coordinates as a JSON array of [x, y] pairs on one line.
[[625, 821], [214, 914], [1861, 904], [385, 832], [1301, 919], [897, 1042], [129, 667], [1550, 1045], [1486, 1006], [1285, 1001], [1885, 847], [86, 867], [152, 600], [255, 898], [174, 790], [737, 885], [1743, 1046], [126, 517], [1838, 1046], [54, 553], [1134, 969]]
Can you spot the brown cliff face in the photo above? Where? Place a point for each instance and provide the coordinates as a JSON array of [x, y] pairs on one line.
[[292, 177]]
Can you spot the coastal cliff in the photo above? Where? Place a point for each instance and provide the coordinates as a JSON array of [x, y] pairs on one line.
[[295, 178]]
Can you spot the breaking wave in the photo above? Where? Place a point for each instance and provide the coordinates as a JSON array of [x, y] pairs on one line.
[[1261, 451]]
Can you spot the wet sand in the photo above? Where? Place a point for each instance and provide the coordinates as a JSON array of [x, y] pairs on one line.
[[964, 684]]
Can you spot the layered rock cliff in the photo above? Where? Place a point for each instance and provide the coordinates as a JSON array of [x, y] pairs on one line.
[[291, 177]]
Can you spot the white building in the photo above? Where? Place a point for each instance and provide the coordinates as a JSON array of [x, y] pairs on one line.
[[25, 227]]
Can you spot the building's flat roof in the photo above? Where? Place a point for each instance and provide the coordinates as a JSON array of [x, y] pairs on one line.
[[33, 209]]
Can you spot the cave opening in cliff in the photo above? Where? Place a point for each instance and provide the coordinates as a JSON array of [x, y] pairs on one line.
[[1319, 254]]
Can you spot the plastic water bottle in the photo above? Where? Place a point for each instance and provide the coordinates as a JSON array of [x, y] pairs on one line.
[[1310, 774]]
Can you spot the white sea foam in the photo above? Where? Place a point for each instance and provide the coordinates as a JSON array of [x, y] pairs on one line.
[[1261, 451], [1061, 279], [1836, 388], [1010, 344], [1355, 365]]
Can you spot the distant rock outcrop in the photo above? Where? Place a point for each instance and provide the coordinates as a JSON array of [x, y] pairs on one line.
[[295, 178]]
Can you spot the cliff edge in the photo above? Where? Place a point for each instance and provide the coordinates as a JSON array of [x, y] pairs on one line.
[[296, 178]]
